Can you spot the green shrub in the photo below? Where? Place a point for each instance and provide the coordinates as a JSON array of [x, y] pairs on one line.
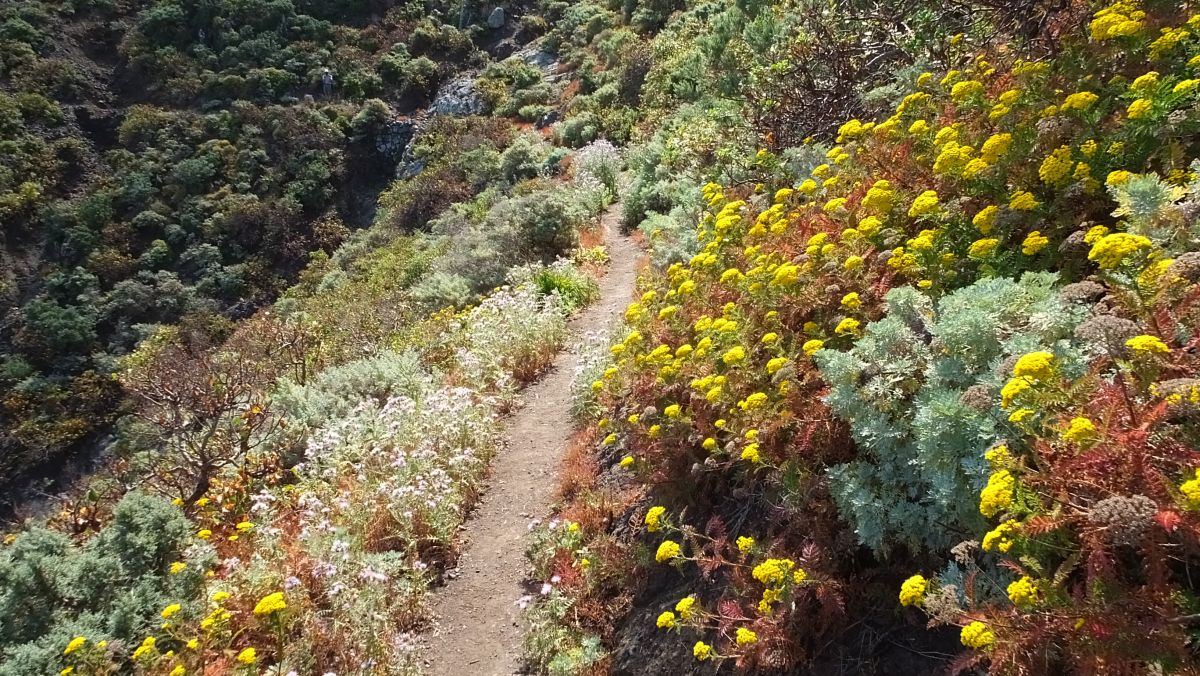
[[573, 288], [339, 389], [112, 587], [918, 390], [578, 130]]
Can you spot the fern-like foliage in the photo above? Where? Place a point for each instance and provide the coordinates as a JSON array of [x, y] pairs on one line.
[[919, 392]]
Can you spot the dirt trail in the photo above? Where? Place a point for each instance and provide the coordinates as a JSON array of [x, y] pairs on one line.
[[479, 629]]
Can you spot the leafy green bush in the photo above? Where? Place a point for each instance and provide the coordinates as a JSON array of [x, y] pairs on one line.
[[112, 587], [511, 85], [578, 130], [573, 288], [917, 390]]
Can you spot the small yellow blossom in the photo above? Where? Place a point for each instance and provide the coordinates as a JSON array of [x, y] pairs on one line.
[[847, 327], [986, 218], [912, 592], [1147, 344], [1139, 108], [1000, 538], [654, 518], [1034, 242], [666, 620], [1023, 200], [75, 644], [746, 637], [668, 551], [925, 203], [734, 356], [982, 248], [998, 494], [1111, 250], [270, 604], [977, 635], [773, 572], [1035, 365], [1080, 431], [750, 453], [1023, 593], [1079, 101]]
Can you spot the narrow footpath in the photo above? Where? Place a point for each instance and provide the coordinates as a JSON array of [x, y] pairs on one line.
[[478, 622]]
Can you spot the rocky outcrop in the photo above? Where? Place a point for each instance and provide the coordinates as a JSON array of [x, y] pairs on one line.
[[458, 97]]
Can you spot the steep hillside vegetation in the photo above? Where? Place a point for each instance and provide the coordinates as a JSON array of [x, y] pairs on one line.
[[165, 162]]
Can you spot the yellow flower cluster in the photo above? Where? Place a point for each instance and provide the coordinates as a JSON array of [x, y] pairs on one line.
[[1121, 19], [977, 635], [75, 644], [1036, 365], [966, 89], [146, 648], [1023, 592], [1079, 101], [879, 197], [1001, 537], [1023, 200], [995, 147], [654, 518], [1112, 250], [997, 495], [773, 572], [668, 551], [1191, 491], [1056, 167], [912, 592], [1034, 243], [270, 604], [982, 248], [1139, 108], [1147, 344], [1080, 431], [745, 637], [666, 620], [925, 203]]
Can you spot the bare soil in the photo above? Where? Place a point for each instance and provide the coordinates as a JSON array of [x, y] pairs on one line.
[[478, 625]]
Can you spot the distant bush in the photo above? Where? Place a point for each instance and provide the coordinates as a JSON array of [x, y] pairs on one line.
[[337, 390], [561, 279], [578, 130], [671, 237], [600, 161], [513, 85], [535, 227]]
